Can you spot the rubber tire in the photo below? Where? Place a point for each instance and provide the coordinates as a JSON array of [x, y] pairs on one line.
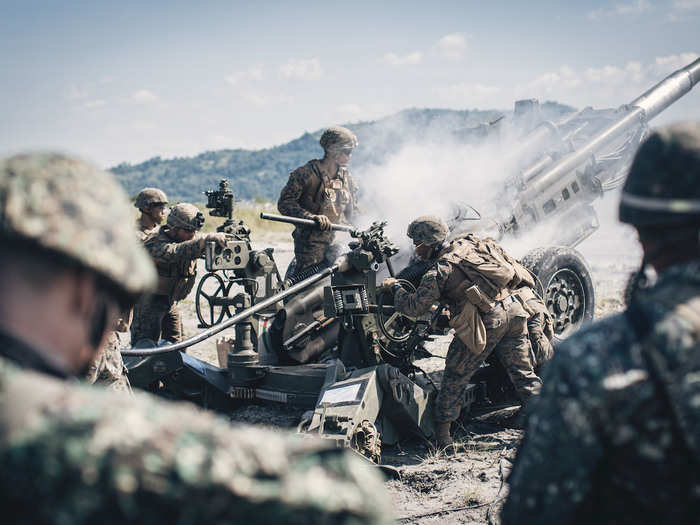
[[545, 263]]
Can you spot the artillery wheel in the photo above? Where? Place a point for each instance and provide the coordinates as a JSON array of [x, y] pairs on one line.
[[206, 300], [564, 283], [396, 327]]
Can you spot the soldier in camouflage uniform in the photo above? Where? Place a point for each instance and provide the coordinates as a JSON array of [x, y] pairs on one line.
[[73, 453], [107, 369], [324, 191], [615, 435], [475, 282], [175, 248], [151, 202]]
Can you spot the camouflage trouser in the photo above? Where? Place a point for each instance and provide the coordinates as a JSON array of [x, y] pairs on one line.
[[542, 349], [312, 246], [156, 318], [107, 368], [506, 335]]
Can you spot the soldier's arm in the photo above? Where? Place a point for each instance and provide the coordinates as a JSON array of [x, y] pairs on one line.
[[171, 252], [556, 462], [288, 203], [419, 302], [352, 210]]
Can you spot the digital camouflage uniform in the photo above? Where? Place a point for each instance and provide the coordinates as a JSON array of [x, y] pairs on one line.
[[309, 192], [66, 458], [505, 329], [71, 453], [157, 316], [600, 444], [107, 368]]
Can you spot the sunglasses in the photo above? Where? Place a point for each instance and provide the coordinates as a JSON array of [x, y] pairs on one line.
[[346, 151]]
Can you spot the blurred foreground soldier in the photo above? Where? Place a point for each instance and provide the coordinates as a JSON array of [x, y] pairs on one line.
[[175, 248], [324, 191], [73, 453], [473, 278], [151, 202], [615, 435]]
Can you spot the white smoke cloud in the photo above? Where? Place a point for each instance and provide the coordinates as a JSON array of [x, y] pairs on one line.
[[466, 92], [302, 69], [453, 46], [396, 60]]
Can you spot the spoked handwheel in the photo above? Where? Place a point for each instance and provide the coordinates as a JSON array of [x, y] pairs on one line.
[[211, 300], [395, 326]]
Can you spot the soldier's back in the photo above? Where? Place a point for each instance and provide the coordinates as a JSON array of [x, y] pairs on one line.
[[65, 458]]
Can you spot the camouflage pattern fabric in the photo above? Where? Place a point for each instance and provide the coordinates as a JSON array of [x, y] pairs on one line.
[[73, 208], [148, 196], [605, 442], [65, 458], [428, 229], [337, 137], [308, 193], [540, 327], [176, 262], [107, 369], [143, 230], [506, 333], [156, 318]]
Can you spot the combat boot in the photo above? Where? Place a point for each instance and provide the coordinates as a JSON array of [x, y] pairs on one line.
[[442, 435]]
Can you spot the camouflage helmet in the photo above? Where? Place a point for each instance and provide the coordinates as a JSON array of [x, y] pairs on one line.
[[71, 208], [185, 216], [663, 185], [428, 229], [338, 137], [150, 196]]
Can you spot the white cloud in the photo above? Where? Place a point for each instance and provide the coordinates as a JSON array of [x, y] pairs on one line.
[[355, 112], [90, 104], [264, 100], [143, 96], [466, 92], [302, 69], [635, 8], [396, 60], [252, 73], [77, 93], [453, 46]]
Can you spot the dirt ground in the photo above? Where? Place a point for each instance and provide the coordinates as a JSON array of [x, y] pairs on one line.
[[467, 485]]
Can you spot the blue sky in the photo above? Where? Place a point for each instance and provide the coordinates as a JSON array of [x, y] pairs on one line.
[[125, 81]]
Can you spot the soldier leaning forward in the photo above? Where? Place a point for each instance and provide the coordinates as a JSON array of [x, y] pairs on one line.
[[615, 435], [324, 191], [175, 248], [475, 282], [72, 453]]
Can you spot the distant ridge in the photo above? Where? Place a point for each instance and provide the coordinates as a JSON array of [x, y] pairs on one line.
[[262, 173]]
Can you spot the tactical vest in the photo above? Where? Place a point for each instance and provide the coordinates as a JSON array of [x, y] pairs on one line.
[[484, 275], [175, 280], [326, 196]]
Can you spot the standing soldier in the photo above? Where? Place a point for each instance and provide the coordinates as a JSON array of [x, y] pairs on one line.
[[151, 202], [615, 435], [70, 262], [324, 191], [472, 277], [175, 248]]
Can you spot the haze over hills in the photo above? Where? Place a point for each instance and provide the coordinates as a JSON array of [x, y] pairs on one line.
[[262, 173]]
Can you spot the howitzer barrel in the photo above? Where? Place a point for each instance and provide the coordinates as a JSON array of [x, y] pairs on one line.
[[298, 221], [638, 112], [239, 317]]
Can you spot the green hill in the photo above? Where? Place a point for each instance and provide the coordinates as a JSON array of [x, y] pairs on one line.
[[262, 173]]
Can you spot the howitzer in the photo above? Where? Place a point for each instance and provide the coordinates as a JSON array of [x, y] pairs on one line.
[[557, 171], [298, 221]]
